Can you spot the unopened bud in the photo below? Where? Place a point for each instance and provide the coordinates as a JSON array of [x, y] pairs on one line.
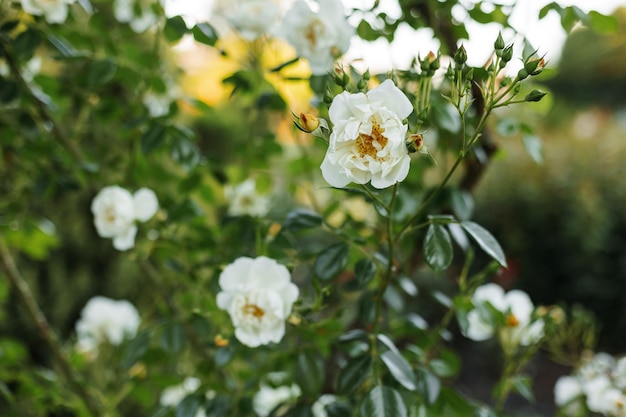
[[220, 341], [470, 74], [498, 45], [415, 143], [535, 95], [460, 56], [308, 122], [522, 74], [534, 66], [450, 73], [328, 97], [507, 53]]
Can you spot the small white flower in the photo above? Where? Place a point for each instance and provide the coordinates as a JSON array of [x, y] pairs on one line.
[[258, 294], [519, 328], [124, 11], [320, 37], [619, 373], [367, 142], [251, 18], [268, 398], [115, 211], [319, 406], [172, 396], [54, 11], [600, 364], [566, 390], [103, 319], [598, 391], [243, 199]]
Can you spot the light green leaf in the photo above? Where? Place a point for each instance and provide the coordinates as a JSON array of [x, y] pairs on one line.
[[533, 146]]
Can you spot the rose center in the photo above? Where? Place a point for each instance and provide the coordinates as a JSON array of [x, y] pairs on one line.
[[371, 144], [512, 321], [109, 214], [311, 32], [253, 310]]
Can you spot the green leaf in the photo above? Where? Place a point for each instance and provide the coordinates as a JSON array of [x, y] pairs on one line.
[[400, 369], [173, 338], [383, 401], [302, 219], [428, 386], [309, 373], [100, 72], [437, 247], [485, 240], [534, 148], [153, 138], [523, 386], [352, 375], [204, 33], [447, 365], [136, 349], [66, 49], [188, 407], [602, 23], [175, 28], [462, 203], [364, 271], [331, 261], [26, 43]]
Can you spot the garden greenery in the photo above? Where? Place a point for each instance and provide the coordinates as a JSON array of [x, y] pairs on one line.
[[273, 255]]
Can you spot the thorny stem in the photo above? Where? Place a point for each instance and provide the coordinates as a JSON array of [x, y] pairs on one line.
[[46, 332]]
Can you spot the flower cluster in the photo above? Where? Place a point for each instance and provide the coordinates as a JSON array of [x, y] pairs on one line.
[[320, 34], [106, 320], [599, 385], [368, 139], [258, 294], [116, 210], [511, 313], [54, 11]]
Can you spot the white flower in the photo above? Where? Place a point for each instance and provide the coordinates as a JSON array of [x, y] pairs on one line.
[[367, 142], [320, 37], [566, 390], [519, 328], [172, 396], [258, 294], [124, 11], [54, 11], [267, 398], [115, 211], [251, 18], [598, 391], [243, 199], [103, 319], [319, 406], [599, 365], [619, 373]]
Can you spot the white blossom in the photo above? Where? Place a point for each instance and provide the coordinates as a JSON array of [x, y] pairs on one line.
[[54, 11], [319, 36], [268, 398], [258, 294], [367, 142], [243, 199], [319, 407], [115, 211], [519, 329], [172, 396], [124, 11], [106, 320], [251, 18], [566, 390]]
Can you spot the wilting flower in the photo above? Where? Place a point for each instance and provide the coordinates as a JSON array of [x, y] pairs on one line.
[[519, 326], [54, 11], [251, 18], [258, 294], [137, 13], [319, 36], [244, 200], [367, 142], [268, 398], [115, 211], [106, 320], [172, 396]]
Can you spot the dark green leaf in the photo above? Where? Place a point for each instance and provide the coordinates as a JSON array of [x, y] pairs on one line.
[[400, 369], [153, 138], [428, 386], [9, 91], [100, 72], [533, 146], [485, 240], [353, 374], [447, 365], [437, 247], [462, 203], [302, 219], [204, 33], [383, 401], [331, 261], [188, 407], [364, 271], [175, 28], [9, 25], [26, 43], [309, 373], [136, 349], [173, 338]]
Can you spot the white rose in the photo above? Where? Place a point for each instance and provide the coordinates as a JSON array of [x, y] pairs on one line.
[[267, 399], [367, 142], [54, 11], [115, 211], [258, 294], [243, 199], [320, 37], [103, 319], [566, 390], [251, 18], [598, 391]]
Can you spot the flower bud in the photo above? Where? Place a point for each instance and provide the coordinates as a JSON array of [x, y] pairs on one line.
[[450, 73], [470, 75], [507, 53], [522, 74], [534, 66], [460, 56], [415, 143], [220, 341], [498, 45], [534, 95], [328, 97], [308, 122]]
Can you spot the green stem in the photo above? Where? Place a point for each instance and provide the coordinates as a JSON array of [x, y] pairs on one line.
[[46, 332]]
